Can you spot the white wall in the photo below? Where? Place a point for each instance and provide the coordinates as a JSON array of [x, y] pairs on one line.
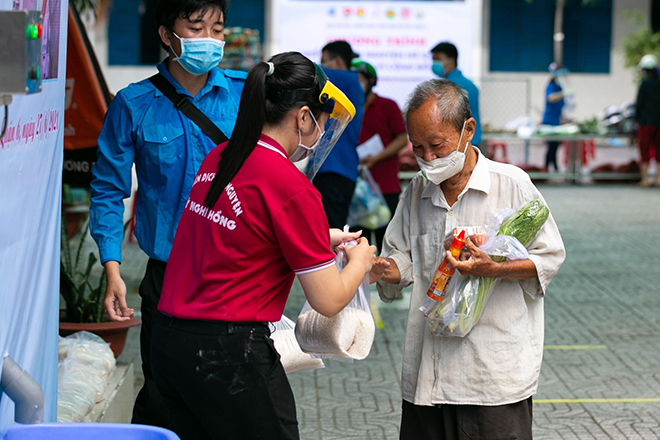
[[117, 77], [593, 92]]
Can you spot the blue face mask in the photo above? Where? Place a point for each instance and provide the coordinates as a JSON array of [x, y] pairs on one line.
[[438, 68], [199, 55]]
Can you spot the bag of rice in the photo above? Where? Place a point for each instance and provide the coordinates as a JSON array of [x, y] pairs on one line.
[[348, 335], [291, 356]]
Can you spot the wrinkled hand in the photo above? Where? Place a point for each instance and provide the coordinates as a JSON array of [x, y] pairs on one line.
[[115, 299], [361, 252], [337, 237], [378, 270], [369, 162], [477, 240], [475, 261]]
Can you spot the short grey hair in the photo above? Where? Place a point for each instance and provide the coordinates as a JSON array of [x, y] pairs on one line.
[[451, 99]]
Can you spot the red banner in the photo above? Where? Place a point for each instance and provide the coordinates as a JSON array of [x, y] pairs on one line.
[[87, 100]]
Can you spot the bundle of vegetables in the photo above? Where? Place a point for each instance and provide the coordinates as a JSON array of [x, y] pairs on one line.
[[461, 309]]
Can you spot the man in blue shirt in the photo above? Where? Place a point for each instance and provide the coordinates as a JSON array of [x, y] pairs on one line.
[[445, 62], [554, 103], [337, 176], [143, 127]]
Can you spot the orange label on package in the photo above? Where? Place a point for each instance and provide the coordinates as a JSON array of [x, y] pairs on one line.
[[437, 290]]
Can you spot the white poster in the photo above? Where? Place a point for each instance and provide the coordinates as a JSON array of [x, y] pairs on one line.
[[30, 208], [394, 36]]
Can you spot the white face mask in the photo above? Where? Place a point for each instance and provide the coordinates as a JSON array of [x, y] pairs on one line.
[[304, 151], [441, 169]]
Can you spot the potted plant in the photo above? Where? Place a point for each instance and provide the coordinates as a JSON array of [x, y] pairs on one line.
[[83, 295]]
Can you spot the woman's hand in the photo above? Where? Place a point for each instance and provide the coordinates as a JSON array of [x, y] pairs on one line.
[[337, 237], [361, 252]]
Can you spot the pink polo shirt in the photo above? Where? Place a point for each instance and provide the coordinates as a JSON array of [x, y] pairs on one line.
[[237, 261]]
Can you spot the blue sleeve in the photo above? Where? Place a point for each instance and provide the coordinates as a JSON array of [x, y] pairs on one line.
[[355, 93], [237, 78], [111, 181], [553, 87], [473, 98], [343, 158]]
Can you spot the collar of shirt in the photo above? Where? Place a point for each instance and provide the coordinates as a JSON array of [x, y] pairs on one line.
[[479, 180], [373, 101], [456, 73], [216, 78], [271, 144]]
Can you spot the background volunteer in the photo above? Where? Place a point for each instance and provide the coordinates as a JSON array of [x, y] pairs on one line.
[[382, 117], [445, 65], [143, 127], [554, 103], [252, 223], [647, 115]]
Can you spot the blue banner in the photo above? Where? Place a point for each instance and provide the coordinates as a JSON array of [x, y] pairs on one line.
[[30, 208]]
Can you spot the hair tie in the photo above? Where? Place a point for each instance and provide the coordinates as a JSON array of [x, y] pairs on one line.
[[271, 68]]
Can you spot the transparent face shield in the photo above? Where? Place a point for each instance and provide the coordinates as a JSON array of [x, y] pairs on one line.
[[333, 102], [341, 111]]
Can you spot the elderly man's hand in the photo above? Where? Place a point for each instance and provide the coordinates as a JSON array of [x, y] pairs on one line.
[[380, 268], [473, 261]]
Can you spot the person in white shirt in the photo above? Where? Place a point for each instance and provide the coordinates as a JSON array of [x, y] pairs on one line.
[[478, 386]]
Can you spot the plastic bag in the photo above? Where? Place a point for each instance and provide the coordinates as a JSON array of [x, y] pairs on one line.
[[72, 406], [91, 349], [467, 296], [291, 356], [86, 364], [66, 343], [83, 377], [346, 336], [368, 207]]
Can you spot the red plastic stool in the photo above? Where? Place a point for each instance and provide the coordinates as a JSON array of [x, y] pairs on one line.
[[493, 146], [588, 150]]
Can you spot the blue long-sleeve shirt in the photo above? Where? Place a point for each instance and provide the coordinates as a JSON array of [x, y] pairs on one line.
[[456, 76], [142, 126]]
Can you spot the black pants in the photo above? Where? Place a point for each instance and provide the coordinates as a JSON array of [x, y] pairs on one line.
[[392, 200], [222, 381], [336, 193], [149, 408], [467, 422], [551, 155]]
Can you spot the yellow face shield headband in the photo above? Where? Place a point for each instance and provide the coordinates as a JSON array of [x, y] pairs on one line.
[[341, 111], [334, 100]]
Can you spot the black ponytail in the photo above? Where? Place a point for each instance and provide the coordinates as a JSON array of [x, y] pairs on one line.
[[261, 104], [249, 123]]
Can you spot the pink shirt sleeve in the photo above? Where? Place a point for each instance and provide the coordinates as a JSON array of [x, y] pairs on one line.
[[302, 231]]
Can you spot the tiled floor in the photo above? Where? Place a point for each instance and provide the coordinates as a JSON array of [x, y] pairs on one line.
[[601, 371]]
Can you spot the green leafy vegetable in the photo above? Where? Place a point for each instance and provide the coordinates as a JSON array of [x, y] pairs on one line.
[[461, 309]]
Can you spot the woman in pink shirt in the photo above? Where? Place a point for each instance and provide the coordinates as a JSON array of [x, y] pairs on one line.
[[252, 223]]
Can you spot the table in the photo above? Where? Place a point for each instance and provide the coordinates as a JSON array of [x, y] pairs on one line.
[[573, 172], [574, 169]]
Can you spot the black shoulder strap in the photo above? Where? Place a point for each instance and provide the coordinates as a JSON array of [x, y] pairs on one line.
[[182, 103]]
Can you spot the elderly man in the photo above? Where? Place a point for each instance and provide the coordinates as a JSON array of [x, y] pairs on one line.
[[479, 386]]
